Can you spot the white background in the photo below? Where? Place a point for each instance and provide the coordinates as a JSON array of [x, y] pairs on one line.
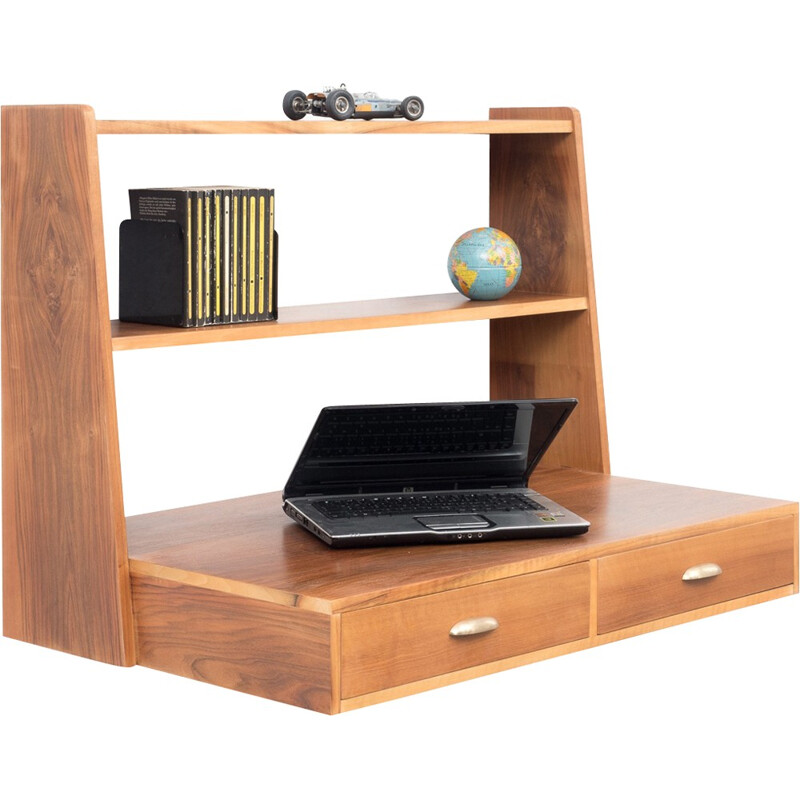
[[690, 129]]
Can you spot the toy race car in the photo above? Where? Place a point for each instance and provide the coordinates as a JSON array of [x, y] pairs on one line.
[[338, 103]]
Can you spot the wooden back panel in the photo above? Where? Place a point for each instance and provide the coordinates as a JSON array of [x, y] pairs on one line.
[[65, 564]]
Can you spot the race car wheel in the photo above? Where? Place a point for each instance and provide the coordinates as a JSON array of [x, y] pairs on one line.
[[295, 104], [340, 104], [412, 108]]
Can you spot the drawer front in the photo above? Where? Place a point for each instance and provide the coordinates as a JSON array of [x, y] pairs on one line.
[[410, 640], [673, 578]]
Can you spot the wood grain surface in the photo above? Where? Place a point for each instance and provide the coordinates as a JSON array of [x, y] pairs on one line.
[[399, 643], [393, 312], [249, 546], [554, 357], [328, 126], [538, 196], [491, 667], [255, 647], [647, 584], [65, 571]]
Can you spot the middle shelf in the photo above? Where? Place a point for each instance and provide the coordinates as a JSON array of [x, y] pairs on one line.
[[355, 315]]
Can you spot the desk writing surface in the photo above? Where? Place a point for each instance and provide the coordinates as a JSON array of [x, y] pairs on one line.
[[248, 546]]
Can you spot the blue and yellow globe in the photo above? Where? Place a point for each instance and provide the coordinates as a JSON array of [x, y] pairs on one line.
[[484, 264]]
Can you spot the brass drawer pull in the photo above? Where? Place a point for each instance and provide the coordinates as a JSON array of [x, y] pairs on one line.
[[701, 572], [469, 627]]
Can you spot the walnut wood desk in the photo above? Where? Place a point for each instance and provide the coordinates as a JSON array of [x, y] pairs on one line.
[[235, 594]]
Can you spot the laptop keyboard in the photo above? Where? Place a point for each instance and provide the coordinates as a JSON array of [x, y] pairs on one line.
[[460, 503], [409, 431]]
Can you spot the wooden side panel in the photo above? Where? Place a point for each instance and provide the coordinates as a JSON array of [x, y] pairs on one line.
[[538, 196], [253, 646], [554, 357], [65, 567]]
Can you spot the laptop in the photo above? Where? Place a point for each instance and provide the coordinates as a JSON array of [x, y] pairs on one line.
[[380, 475]]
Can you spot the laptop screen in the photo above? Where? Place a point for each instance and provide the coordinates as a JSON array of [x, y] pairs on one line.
[[424, 447]]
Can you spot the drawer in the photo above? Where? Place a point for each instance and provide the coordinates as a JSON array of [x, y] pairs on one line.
[[401, 642], [652, 583]]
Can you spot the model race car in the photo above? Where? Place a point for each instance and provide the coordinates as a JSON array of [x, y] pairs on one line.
[[338, 103]]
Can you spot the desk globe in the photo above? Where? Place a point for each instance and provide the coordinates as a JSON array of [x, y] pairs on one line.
[[484, 264]]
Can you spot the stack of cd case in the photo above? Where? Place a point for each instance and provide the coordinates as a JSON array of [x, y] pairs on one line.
[[195, 256]]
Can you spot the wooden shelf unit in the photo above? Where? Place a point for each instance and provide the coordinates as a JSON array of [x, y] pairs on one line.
[[236, 594]]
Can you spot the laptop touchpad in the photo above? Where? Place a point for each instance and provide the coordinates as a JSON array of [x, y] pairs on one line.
[[455, 522]]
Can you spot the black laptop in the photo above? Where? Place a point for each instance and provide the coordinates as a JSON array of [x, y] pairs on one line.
[[429, 473]]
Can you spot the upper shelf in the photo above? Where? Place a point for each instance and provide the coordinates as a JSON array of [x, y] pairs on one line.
[[331, 126], [358, 315]]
